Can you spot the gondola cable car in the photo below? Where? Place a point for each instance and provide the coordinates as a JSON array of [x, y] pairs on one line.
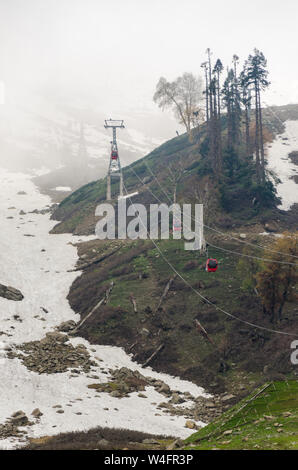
[[114, 155], [211, 263]]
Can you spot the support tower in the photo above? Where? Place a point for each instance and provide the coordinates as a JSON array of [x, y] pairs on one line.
[[115, 170]]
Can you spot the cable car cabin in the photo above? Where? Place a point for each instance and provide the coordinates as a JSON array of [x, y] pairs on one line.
[[211, 265], [114, 155]]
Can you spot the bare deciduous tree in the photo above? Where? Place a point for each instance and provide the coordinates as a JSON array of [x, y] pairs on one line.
[[183, 96]]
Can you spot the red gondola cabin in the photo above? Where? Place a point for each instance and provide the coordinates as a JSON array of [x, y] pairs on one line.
[[114, 155], [211, 265]]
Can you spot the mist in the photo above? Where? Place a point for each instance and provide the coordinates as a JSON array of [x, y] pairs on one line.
[[68, 63]]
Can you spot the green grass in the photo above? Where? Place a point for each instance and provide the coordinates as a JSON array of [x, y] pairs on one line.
[[261, 423]]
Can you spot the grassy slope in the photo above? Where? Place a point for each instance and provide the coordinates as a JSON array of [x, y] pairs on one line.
[[138, 269], [270, 421]]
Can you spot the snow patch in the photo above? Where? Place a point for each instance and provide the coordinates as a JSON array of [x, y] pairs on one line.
[[278, 161], [39, 266]]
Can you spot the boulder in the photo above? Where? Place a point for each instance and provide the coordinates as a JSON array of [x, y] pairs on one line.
[[19, 419], [37, 413], [67, 326], [271, 227], [190, 424], [10, 293], [103, 443]]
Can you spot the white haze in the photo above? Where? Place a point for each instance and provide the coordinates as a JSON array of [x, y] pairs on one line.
[[67, 61]]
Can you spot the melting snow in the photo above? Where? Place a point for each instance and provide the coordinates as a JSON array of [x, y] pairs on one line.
[[38, 265], [279, 161]]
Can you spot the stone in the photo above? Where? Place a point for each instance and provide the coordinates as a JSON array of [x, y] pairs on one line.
[[175, 445], [19, 418], [10, 293], [227, 397], [145, 332], [190, 424], [36, 413], [210, 404], [176, 399], [150, 441], [103, 443], [242, 236], [164, 389], [67, 326], [271, 227]]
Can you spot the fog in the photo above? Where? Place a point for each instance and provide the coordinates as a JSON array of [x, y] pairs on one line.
[[68, 62]]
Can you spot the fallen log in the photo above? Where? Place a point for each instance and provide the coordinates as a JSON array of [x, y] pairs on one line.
[[134, 303], [95, 261], [153, 355], [165, 292], [101, 302], [202, 331]]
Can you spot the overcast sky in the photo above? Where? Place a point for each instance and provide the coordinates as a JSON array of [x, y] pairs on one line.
[[113, 52]]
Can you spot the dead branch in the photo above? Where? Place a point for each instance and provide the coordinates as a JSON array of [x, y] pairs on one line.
[[101, 302], [134, 303], [202, 331], [153, 355], [165, 292], [95, 261]]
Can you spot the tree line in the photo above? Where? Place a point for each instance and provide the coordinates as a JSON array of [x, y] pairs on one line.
[[231, 108]]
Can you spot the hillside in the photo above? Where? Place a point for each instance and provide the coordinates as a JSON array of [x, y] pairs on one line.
[[236, 359], [228, 205], [266, 419]]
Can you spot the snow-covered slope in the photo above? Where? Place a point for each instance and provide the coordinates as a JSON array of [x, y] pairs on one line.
[[48, 135], [278, 161], [38, 265]]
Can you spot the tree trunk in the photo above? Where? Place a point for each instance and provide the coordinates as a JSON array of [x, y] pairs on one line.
[[257, 145], [261, 138]]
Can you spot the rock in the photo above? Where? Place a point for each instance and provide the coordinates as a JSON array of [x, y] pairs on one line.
[[228, 432], [51, 355], [227, 397], [164, 389], [175, 445], [67, 326], [19, 418], [10, 293], [150, 442], [271, 227], [210, 404], [56, 336], [190, 424], [36, 413], [176, 399], [242, 236], [145, 332], [103, 443], [115, 394]]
